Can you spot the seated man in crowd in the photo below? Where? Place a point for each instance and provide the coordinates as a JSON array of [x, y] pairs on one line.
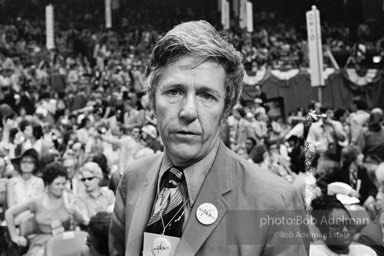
[[371, 141], [352, 173]]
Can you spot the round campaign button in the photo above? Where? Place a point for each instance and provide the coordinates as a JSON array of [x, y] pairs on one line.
[[161, 247], [206, 214]]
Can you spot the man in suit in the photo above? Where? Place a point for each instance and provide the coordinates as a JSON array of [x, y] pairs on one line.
[[199, 197]]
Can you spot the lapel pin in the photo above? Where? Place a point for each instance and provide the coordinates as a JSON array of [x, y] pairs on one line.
[[206, 214]]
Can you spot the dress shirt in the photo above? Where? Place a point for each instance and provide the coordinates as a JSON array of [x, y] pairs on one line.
[[194, 178]]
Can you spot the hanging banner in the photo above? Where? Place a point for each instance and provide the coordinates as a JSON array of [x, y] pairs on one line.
[[227, 21], [243, 14], [49, 27], [108, 14], [315, 47], [235, 7], [249, 8], [223, 12]]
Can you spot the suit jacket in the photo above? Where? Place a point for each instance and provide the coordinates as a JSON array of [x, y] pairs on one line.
[[241, 193]]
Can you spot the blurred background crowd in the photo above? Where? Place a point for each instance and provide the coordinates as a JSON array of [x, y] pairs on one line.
[[75, 116]]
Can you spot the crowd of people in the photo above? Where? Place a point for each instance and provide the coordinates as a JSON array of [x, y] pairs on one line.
[[74, 118]]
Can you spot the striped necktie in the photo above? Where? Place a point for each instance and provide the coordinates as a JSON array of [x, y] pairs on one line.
[[353, 176], [168, 212]]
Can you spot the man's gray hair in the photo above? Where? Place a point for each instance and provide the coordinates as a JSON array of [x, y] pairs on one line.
[[200, 40]]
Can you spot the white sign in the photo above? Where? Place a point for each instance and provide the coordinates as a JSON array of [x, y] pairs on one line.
[[49, 27], [243, 14], [108, 14], [249, 8], [227, 21], [222, 5], [315, 47]]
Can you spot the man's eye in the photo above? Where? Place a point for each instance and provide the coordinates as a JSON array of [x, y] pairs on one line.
[[207, 96], [173, 92]]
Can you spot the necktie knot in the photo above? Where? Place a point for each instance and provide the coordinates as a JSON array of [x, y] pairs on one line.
[[174, 177]]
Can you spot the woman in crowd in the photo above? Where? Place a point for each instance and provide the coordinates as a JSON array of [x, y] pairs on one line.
[[337, 230], [102, 161], [95, 198], [26, 185], [51, 214]]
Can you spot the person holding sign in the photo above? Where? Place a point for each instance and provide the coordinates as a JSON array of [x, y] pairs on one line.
[[199, 197]]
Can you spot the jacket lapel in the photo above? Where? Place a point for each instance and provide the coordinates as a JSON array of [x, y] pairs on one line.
[[217, 183], [142, 210]]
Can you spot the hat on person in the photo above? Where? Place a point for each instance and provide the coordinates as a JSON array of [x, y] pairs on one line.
[[92, 168], [258, 100], [377, 112], [29, 152], [150, 130]]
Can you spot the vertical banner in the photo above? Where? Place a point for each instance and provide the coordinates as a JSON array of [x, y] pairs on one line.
[[223, 11], [108, 14], [315, 47], [227, 21], [243, 14], [235, 7], [249, 8], [49, 27]]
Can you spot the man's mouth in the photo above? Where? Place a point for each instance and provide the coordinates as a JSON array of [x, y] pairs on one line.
[[187, 133]]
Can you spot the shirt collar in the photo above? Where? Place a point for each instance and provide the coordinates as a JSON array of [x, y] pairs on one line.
[[194, 174]]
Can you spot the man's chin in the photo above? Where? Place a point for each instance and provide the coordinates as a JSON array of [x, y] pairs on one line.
[[184, 155]]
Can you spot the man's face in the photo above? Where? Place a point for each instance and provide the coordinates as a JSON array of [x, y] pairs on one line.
[[70, 165], [249, 145], [189, 103]]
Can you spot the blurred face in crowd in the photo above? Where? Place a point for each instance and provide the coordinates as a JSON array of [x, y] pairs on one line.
[[136, 134], [70, 165], [249, 145], [57, 186], [128, 105], [340, 229], [28, 132], [189, 103], [27, 164], [91, 182]]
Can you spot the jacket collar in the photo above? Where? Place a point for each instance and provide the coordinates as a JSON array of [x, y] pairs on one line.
[[217, 183]]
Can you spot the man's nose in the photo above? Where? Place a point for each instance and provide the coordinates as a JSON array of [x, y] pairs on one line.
[[189, 109]]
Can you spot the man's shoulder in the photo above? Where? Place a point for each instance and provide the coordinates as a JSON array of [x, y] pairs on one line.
[[256, 178]]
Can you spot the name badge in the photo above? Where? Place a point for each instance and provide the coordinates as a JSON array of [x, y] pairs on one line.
[[159, 245]]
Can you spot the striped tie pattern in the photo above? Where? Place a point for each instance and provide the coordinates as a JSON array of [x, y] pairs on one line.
[[353, 177], [169, 206]]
